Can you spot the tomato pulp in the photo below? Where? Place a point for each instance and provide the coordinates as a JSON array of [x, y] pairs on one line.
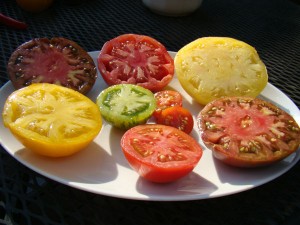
[[248, 132], [136, 59], [160, 153]]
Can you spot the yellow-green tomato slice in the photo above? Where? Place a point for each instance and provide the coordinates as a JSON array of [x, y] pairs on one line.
[[126, 105]]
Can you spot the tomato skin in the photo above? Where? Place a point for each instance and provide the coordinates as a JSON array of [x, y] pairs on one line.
[[248, 132], [177, 117], [136, 59], [165, 99], [160, 153]]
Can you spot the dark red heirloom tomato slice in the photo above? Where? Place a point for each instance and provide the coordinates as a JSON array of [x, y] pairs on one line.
[[177, 117], [160, 153], [136, 59], [165, 99], [248, 132], [57, 60]]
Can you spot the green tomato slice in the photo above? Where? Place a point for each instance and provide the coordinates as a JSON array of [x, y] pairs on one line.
[[126, 105]]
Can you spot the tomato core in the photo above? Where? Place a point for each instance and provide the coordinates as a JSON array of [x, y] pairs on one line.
[[53, 64]]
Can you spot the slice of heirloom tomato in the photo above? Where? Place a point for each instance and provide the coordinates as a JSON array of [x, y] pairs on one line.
[[178, 117], [248, 132], [52, 120], [126, 105], [212, 67], [165, 99], [57, 60], [160, 153], [136, 59]]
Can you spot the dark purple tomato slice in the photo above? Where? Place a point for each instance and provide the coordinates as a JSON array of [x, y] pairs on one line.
[[57, 60], [248, 132]]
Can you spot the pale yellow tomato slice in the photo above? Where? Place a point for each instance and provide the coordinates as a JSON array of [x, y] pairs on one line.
[[211, 67], [52, 120]]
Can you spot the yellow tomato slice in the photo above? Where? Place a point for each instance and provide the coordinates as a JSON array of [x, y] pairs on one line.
[[52, 120], [212, 67]]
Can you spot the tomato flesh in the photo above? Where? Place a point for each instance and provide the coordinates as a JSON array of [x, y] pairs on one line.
[[177, 117], [165, 99], [248, 132], [136, 59], [160, 153]]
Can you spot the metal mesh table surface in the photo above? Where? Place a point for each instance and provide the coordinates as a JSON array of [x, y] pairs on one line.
[[272, 27]]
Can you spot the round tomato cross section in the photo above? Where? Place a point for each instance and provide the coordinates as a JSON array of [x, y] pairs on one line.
[[56, 60], [136, 59], [126, 105], [248, 132], [160, 153], [212, 67], [52, 120]]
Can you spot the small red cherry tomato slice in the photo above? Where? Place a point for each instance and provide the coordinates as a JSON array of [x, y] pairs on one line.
[[136, 59], [160, 153], [177, 117], [165, 99], [248, 132], [56, 60]]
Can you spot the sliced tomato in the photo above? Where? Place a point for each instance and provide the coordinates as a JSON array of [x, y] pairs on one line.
[[52, 120], [177, 117], [248, 132], [165, 99], [126, 105], [212, 67], [136, 59], [160, 153], [57, 60]]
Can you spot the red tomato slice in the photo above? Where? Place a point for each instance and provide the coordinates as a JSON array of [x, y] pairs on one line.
[[136, 59], [160, 153], [177, 117], [248, 132], [165, 99]]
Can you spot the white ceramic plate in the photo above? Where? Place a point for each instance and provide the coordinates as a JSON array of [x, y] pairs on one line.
[[102, 168]]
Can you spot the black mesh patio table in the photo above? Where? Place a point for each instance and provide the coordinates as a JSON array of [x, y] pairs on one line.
[[273, 27]]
